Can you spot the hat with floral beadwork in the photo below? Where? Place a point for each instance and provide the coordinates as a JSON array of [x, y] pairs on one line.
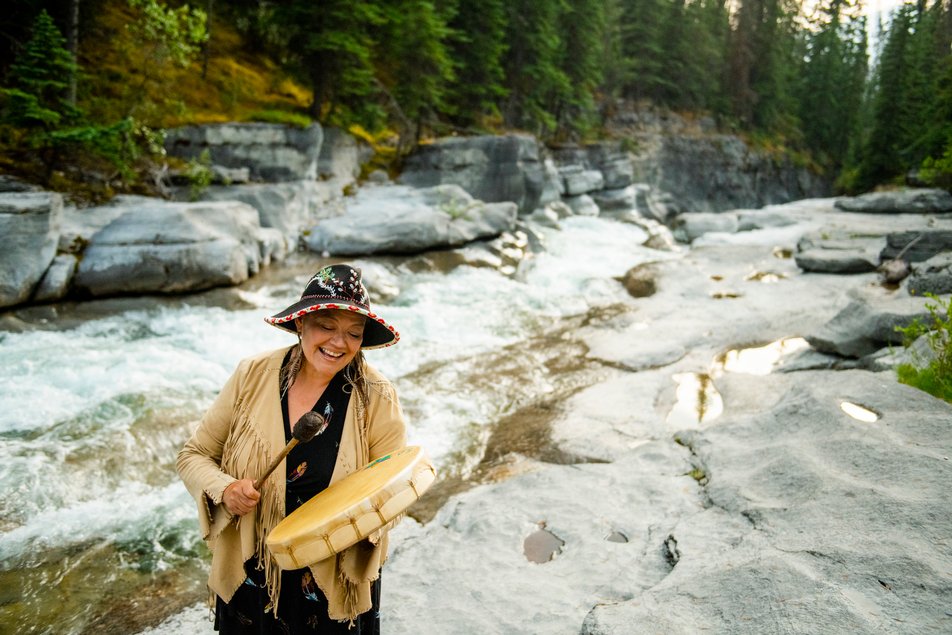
[[338, 287]]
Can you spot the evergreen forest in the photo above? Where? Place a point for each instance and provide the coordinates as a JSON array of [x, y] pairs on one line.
[[91, 83]]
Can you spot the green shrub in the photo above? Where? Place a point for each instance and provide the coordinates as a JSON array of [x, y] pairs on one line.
[[935, 377], [199, 174]]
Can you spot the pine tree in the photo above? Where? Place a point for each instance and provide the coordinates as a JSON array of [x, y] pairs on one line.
[[413, 64], [329, 45], [643, 48], [38, 97], [534, 79], [477, 45], [834, 73], [582, 30]]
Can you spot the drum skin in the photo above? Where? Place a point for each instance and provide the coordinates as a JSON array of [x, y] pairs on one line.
[[351, 509]]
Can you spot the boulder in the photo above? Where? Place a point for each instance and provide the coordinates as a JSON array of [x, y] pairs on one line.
[[932, 276], [917, 245], [907, 201], [838, 251], [552, 186], [341, 156], [30, 226], [688, 227], [55, 283], [399, 219], [615, 199], [489, 168], [582, 205], [162, 247], [270, 152], [287, 207], [578, 180], [868, 324]]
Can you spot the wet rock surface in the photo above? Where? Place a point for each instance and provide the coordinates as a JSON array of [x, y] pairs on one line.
[[780, 513]]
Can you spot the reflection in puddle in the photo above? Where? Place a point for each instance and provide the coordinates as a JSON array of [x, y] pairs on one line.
[[764, 276], [858, 412], [542, 545], [758, 361], [697, 400]]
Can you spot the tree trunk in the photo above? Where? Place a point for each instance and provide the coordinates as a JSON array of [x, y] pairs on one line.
[[72, 44], [206, 49]]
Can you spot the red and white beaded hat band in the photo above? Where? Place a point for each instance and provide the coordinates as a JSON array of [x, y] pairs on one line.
[[338, 287]]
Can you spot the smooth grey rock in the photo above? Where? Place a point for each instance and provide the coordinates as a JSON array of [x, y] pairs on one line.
[[29, 227], [868, 324], [837, 260], [750, 220], [55, 282], [489, 168], [270, 152], [908, 201], [398, 219], [582, 205], [617, 199], [341, 156], [287, 207], [552, 186], [839, 251], [579, 181], [166, 247], [917, 245], [806, 502], [689, 227], [932, 276]]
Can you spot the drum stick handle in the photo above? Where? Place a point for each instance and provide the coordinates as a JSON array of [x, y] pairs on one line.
[[290, 446]]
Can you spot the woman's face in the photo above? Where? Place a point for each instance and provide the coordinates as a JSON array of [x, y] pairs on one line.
[[330, 339]]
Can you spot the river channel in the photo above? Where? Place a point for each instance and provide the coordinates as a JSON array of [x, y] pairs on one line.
[[96, 531]]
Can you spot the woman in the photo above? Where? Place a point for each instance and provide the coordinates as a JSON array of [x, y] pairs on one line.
[[251, 422]]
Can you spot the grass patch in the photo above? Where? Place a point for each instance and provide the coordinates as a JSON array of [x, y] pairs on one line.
[[935, 375]]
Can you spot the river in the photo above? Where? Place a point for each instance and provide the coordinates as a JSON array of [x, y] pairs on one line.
[[96, 531]]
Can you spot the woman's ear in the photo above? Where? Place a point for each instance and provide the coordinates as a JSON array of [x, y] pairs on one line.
[[299, 323]]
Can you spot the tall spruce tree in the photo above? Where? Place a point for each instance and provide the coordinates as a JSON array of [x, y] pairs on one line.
[[582, 31], [833, 80], [885, 140], [534, 78], [412, 63], [477, 45], [329, 45], [38, 93], [643, 48]]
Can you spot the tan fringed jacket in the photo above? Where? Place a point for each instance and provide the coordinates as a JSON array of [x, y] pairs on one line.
[[238, 437]]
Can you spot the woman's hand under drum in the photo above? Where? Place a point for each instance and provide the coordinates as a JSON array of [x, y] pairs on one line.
[[240, 497]]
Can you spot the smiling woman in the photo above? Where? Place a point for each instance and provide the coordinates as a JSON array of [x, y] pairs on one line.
[[252, 420]]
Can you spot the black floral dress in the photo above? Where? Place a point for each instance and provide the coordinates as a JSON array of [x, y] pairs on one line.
[[302, 607]]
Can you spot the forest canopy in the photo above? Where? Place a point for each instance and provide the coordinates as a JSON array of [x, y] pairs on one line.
[[102, 75]]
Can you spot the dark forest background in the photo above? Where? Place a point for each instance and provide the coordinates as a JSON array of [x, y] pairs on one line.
[[87, 81]]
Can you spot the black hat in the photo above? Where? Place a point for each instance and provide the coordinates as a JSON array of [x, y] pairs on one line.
[[338, 287]]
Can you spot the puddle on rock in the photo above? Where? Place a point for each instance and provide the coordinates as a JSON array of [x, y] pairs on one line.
[[617, 536], [760, 360], [542, 545], [859, 412], [697, 400]]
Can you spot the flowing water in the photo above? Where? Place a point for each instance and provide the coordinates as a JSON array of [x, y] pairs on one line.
[[97, 532]]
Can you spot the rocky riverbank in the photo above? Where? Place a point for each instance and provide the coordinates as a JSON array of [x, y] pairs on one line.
[[277, 189]]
